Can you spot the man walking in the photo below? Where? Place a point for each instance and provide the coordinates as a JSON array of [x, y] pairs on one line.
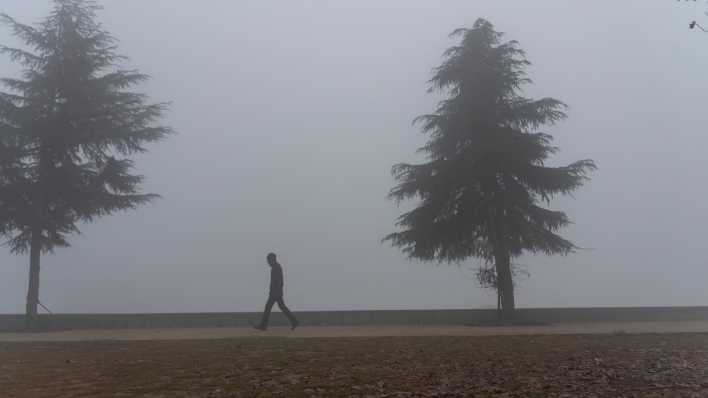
[[276, 295]]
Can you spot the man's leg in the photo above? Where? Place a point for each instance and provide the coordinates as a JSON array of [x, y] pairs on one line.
[[266, 314], [293, 321]]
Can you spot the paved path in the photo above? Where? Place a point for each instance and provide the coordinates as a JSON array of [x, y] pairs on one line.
[[373, 331]]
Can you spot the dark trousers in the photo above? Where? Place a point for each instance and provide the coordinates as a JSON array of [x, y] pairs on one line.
[[281, 304]]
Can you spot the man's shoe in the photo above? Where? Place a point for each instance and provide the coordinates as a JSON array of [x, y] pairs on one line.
[[260, 327], [295, 325]]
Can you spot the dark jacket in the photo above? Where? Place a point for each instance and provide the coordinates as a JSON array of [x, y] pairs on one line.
[[276, 280]]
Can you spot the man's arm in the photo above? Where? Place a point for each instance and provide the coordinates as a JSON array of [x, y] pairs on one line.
[[276, 279]]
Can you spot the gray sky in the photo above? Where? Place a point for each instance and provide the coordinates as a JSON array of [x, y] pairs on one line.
[[290, 114]]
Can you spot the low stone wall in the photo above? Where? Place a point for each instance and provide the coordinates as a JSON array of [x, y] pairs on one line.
[[356, 318]]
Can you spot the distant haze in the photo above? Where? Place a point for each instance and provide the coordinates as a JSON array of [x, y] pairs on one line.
[[291, 113]]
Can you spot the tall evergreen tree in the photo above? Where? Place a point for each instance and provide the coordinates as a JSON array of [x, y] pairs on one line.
[[67, 129], [484, 183]]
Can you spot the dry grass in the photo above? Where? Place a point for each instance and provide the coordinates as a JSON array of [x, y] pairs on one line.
[[619, 365]]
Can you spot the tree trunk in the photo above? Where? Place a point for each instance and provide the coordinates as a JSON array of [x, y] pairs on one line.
[[506, 284], [33, 289], [502, 263]]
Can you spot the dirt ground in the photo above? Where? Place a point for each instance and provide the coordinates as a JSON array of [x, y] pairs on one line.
[[608, 360]]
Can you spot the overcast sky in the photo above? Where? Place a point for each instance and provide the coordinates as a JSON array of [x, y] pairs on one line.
[[291, 113]]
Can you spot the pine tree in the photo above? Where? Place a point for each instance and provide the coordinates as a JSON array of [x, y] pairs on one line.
[[68, 127], [484, 183]]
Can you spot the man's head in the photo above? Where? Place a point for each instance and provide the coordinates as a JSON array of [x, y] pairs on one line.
[[271, 259]]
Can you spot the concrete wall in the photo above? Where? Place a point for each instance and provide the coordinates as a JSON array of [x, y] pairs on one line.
[[357, 318]]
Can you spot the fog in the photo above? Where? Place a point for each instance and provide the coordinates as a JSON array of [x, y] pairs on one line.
[[290, 115]]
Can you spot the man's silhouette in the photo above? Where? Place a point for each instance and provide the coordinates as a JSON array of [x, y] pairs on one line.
[[276, 294]]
